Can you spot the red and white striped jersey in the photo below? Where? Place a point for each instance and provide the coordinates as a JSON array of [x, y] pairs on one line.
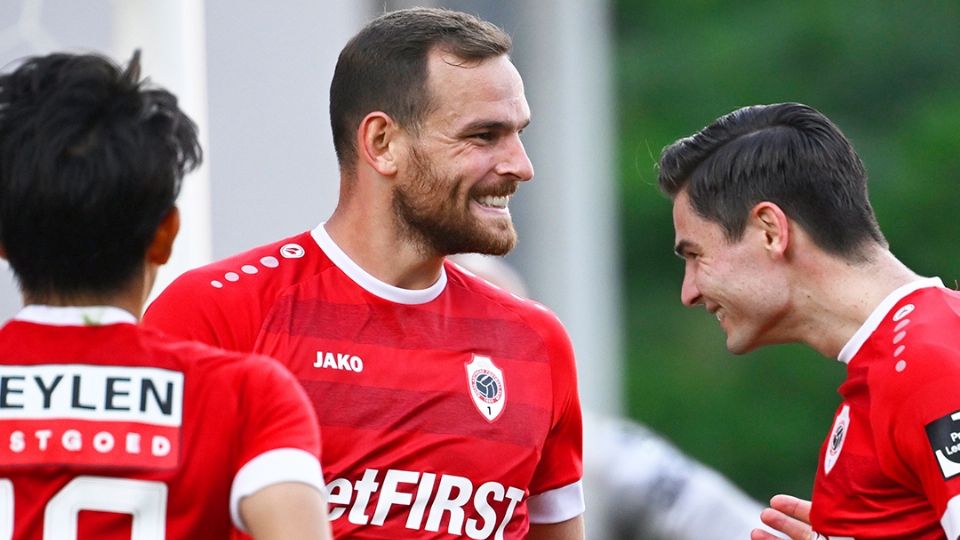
[[111, 431], [445, 412], [890, 467]]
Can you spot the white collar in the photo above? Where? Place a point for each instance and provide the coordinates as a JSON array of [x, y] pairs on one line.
[[876, 317], [371, 284], [75, 315]]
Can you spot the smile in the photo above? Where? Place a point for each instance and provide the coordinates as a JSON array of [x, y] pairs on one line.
[[491, 201]]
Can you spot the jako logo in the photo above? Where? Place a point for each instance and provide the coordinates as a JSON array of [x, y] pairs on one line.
[[344, 362]]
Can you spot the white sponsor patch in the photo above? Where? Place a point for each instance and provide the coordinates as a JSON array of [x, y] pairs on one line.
[[944, 436], [85, 392]]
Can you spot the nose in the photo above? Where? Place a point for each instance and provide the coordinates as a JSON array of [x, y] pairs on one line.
[[689, 292], [515, 162]]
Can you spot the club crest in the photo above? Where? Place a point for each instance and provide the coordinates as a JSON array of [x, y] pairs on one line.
[[837, 435], [486, 387]]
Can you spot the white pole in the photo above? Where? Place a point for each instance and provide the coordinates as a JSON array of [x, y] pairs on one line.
[[570, 249], [170, 34]]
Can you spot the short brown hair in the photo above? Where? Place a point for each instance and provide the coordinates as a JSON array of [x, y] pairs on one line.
[[384, 67]]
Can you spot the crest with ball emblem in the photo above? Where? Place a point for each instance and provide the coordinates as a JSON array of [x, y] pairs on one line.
[[486, 386]]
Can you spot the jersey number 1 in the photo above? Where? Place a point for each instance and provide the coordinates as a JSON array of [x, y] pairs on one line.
[[146, 501]]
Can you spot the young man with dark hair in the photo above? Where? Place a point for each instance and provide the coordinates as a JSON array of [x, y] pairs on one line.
[[780, 243], [108, 430], [449, 408]]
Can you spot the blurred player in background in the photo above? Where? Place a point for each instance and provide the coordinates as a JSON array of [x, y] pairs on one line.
[[108, 430], [448, 407], [781, 244], [637, 485]]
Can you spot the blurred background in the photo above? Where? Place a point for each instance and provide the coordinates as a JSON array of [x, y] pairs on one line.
[[610, 84]]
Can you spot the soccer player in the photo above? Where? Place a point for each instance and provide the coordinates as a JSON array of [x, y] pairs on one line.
[[637, 484], [108, 430], [448, 407], [780, 243]]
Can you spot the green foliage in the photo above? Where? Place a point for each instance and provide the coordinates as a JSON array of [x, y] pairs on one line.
[[888, 73]]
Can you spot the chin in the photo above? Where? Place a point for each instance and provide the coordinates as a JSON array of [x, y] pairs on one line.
[[497, 247], [739, 346], [496, 239]]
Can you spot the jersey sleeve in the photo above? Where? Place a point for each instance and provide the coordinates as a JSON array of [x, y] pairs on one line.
[[280, 441], [924, 427], [556, 490], [193, 308]]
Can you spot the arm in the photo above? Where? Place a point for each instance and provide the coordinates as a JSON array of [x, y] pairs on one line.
[[286, 511], [571, 529]]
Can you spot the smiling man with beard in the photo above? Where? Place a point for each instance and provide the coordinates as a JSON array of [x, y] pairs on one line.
[[448, 407]]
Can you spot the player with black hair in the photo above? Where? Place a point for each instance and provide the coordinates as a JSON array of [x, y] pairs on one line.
[[109, 430], [780, 244]]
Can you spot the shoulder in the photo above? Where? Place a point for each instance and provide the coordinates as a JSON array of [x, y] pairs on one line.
[[229, 298], [924, 346], [489, 298], [927, 324], [270, 265]]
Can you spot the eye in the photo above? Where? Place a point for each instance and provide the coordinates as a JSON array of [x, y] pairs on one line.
[[485, 136], [688, 256]]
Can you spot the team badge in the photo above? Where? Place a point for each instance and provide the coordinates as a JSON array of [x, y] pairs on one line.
[[837, 435], [944, 435], [486, 387]]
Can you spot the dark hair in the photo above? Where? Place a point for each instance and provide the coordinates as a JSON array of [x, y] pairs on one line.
[[90, 163], [788, 154], [384, 67]]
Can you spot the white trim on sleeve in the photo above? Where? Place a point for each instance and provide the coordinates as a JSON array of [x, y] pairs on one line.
[[557, 505], [951, 518], [274, 467]]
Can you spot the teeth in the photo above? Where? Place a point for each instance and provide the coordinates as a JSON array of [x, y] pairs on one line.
[[496, 202], [719, 316]]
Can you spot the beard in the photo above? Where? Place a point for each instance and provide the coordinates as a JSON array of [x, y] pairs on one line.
[[433, 214]]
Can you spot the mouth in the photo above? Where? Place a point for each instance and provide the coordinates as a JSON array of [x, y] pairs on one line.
[[494, 202]]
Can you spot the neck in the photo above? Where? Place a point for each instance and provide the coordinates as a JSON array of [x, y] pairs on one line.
[[836, 296], [131, 298], [371, 238]]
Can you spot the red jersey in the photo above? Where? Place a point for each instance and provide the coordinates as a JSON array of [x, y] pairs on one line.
[[446, 412], [890, 467], [112, 431]]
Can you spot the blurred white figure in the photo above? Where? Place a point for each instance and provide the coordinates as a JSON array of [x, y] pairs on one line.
[[638, 485]]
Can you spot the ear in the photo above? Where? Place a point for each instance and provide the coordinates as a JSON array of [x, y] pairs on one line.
[[378, 139], [774, 225], [161, 247]]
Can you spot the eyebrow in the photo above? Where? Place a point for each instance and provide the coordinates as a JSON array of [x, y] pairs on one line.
[[495, 125]]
